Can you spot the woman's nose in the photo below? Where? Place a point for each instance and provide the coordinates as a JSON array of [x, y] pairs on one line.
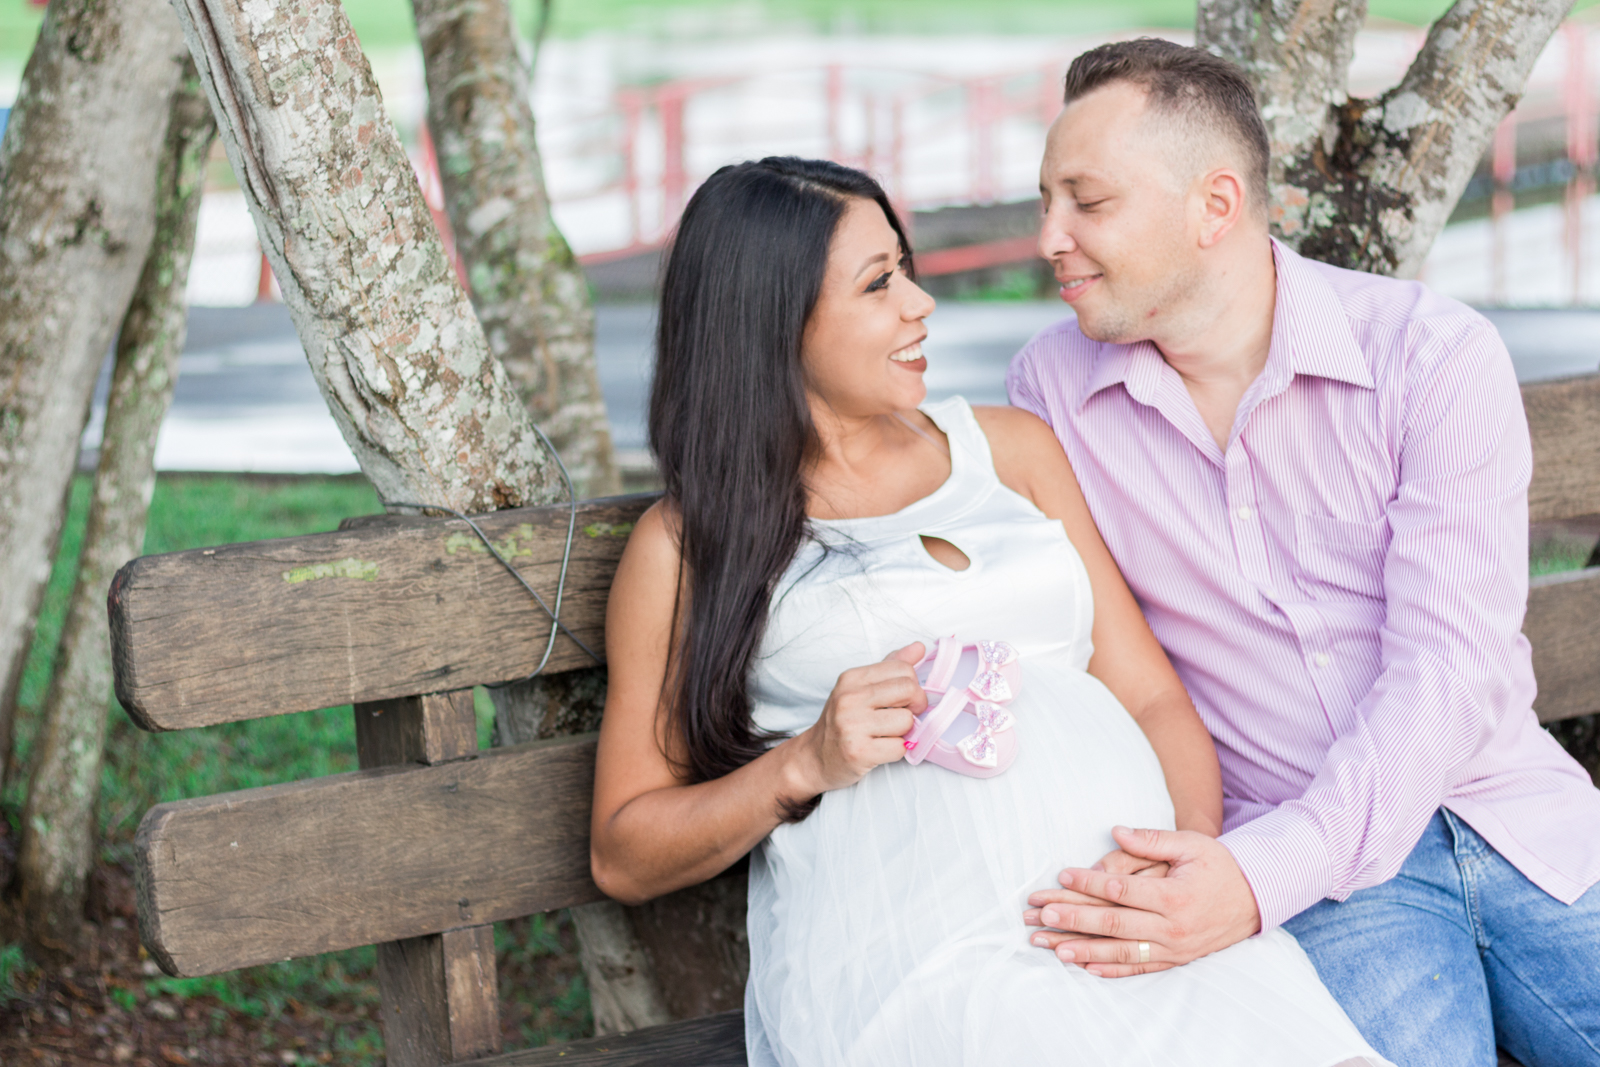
[[919, 305]]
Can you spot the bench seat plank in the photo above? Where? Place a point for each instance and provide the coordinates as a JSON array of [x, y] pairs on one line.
[[377, 855], [713, 1041], [379, 610]]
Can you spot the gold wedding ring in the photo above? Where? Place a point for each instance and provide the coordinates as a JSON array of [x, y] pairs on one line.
[[1144, 952]]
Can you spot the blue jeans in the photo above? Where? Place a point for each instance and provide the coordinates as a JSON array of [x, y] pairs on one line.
[[1460, 952]]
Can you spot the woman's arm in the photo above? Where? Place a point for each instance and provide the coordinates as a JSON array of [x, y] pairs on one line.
[[1127, 657], [653, 831]]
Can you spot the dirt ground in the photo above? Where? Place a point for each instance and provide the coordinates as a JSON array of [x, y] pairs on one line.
[[104, 1011]]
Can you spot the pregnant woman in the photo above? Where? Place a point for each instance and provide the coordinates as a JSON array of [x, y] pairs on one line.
[[766, 630]]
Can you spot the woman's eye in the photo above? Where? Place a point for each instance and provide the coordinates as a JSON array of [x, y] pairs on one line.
[[881, 282], [1089, 205]]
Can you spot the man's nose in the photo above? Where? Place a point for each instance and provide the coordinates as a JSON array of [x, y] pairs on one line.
[[1055, 237]]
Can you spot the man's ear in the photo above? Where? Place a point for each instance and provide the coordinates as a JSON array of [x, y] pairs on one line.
[[1222, 204]]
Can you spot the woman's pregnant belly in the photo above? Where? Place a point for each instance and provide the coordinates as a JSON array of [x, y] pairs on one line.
[[965, 852], [916, 869]]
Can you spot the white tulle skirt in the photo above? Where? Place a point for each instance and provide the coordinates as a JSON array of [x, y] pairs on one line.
[[886, 929]]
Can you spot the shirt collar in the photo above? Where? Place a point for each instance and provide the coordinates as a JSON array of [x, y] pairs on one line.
[[1310, 335], [1310, 324]]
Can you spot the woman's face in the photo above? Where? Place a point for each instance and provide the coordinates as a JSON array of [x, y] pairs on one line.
[[862, 349]]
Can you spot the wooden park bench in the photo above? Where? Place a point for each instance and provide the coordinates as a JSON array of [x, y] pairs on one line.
[[432, 841]]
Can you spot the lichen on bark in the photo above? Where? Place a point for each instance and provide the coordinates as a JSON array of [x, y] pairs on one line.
[[1368, 184], [391, 337], [58, 824], [77, 179], [526, 285]]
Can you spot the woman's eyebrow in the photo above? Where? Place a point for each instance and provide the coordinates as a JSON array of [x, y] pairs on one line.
[[881, 257]]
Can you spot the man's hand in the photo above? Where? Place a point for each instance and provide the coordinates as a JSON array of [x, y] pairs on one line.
[[1097, 918]]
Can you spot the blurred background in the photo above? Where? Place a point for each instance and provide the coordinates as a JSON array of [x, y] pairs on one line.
[[946, 101]]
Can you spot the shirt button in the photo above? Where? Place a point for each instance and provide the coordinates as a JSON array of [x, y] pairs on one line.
[[1321, 659], [1244, 512]]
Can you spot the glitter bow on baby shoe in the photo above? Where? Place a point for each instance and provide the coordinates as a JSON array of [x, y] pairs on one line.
[[991, 684], [979, 747]]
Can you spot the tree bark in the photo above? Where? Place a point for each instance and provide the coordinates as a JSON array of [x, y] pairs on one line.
[[77, 178], [58, 826], [680, 956], [1368, 184], [391, 337], [529, 292]]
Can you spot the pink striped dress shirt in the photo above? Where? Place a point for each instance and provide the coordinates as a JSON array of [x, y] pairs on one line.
[[1342, 589]]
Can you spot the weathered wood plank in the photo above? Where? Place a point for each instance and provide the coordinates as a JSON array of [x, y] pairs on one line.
[[439, 995], [1564, 419], [712, 1041], [383, 610], [1563, 626], [435, 728], [365, 857], [440, 998]]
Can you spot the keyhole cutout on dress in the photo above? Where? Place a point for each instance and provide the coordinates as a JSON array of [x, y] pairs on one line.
[[944, 553]]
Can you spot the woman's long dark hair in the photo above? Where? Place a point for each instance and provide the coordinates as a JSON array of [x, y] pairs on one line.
[[730, 426]]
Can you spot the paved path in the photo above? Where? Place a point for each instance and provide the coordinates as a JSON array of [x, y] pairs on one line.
[[246, 401]]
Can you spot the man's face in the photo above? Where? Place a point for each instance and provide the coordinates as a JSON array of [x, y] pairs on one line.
[[1116, 221]]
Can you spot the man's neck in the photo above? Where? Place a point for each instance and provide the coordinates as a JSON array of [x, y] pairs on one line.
[[1221, 348]]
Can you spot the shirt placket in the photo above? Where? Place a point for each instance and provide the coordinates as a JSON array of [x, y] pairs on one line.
[[1244, 517]]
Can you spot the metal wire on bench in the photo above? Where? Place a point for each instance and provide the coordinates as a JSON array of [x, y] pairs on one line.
[[561, 581]]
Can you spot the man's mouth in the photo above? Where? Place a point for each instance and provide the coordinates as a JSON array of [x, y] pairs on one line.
[[1072, 288], [909, 354]]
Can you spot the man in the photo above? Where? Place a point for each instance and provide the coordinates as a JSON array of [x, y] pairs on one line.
[[1315, 481]]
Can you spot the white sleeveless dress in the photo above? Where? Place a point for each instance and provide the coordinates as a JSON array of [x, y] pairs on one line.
[[886, 928]]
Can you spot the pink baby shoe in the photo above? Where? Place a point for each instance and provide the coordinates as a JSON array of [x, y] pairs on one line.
[[965, 729]]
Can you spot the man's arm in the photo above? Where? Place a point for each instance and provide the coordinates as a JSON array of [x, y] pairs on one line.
[[1454, 665], [1454, 661]]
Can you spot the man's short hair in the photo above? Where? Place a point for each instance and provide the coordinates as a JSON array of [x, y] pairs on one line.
[[1205, 92]]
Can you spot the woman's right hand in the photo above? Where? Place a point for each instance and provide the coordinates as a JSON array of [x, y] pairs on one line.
[[863, 723]]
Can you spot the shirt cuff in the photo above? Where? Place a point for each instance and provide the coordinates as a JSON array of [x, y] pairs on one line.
[[1285, 861]]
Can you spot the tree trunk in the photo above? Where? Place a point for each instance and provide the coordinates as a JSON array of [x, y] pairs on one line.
[[58, 826], [1368, 184], [533, 301], [527, 287], [680, 956], [391, 337], [77, 178]]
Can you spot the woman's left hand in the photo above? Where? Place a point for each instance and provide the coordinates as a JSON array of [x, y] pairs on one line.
[[1118, 862]]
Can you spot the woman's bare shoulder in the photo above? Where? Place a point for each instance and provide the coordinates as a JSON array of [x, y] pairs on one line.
[[651, 556], [1005, 425], [1026, 453]]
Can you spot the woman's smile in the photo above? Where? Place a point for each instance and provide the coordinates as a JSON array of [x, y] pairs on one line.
[[910, 357]]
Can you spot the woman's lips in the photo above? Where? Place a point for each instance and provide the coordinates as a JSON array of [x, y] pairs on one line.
[[910, 357], [1073, 290]]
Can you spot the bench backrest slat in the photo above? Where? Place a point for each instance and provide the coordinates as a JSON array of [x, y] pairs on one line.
[[1563, 625], [1564, 421], [353, 859], [386, 609]]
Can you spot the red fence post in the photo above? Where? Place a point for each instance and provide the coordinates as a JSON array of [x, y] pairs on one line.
[[1580, 148], [835, 95], [674, 175], [1505, 170], [631, 105], [982, 115]]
